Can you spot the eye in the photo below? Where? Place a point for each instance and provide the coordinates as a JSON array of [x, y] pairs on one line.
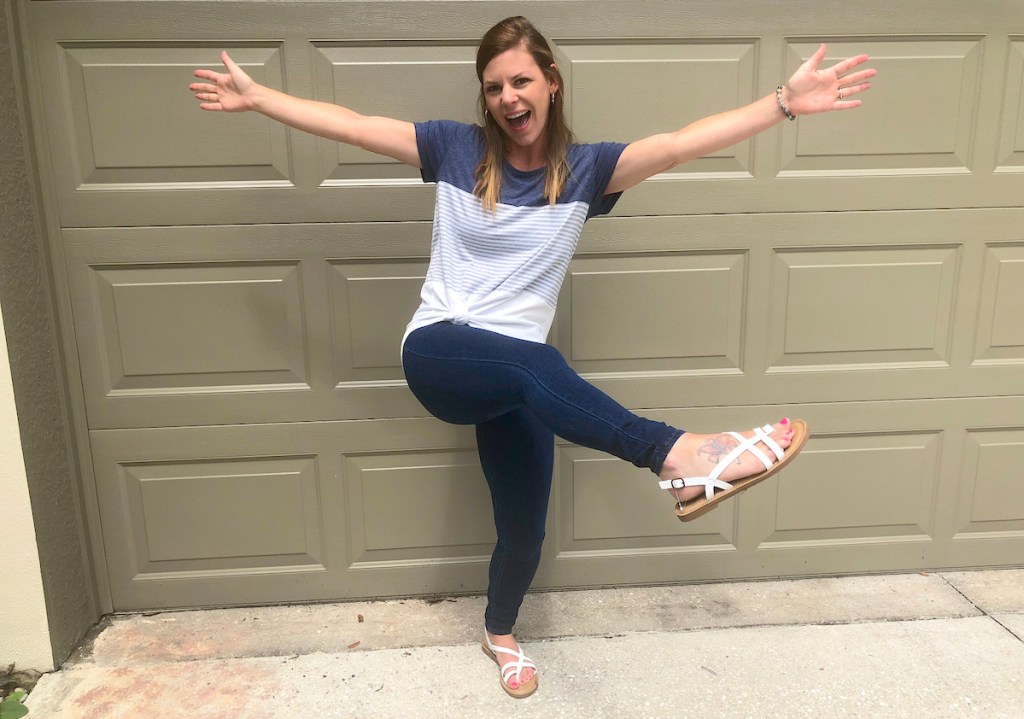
[[492, 89], [520, 81]]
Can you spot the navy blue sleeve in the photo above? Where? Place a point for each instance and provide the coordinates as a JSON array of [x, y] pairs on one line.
[[606, 157], [433, 141]]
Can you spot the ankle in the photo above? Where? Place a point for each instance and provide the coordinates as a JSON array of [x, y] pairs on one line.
[[675, 461]]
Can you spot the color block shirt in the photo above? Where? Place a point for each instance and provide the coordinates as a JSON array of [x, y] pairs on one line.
[[502, 271]]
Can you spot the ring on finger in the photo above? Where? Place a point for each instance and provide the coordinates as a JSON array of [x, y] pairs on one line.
[[840, 95]]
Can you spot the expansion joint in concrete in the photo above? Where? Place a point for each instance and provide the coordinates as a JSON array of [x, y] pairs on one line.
[[982, 610]]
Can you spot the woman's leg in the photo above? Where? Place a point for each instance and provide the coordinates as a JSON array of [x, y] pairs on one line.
[[468, 376], [518, 393], [517, 455]]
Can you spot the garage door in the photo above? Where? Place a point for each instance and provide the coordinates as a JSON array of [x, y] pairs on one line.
[[233, 293]]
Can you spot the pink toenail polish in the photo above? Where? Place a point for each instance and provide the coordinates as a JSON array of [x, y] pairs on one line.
[[785, 420]]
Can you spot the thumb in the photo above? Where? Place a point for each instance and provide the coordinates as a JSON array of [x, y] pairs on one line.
[[817, 57], [228, 62]]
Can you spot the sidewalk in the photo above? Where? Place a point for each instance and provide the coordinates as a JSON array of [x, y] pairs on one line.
[[912, 645]]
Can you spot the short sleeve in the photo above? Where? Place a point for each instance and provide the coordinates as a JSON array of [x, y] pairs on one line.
[[605, 159], [434, 139]]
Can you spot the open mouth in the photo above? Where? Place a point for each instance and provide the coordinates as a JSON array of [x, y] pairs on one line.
[[519, 120]]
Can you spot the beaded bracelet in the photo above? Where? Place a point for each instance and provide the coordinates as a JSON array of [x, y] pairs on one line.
[[782, 105]]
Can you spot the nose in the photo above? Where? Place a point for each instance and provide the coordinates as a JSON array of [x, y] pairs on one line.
[[509, 95]]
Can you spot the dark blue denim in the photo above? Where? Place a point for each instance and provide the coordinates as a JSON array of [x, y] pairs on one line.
[[520, 394]]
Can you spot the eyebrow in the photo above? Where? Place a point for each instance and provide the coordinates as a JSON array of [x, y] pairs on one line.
[[514, 78]]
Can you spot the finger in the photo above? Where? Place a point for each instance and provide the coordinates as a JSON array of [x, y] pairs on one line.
[[202, 87], [206, 74], [846, 104], [855, 78], [228, 62], [842, 66], [854, 89], [814, 60], [210, 106]]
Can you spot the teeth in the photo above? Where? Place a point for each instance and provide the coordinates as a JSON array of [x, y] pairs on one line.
[[516, 116]]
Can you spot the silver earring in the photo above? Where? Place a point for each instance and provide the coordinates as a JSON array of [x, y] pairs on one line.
[[552, 98]]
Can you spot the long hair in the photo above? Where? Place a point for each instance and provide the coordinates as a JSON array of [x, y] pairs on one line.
[[511, 33]]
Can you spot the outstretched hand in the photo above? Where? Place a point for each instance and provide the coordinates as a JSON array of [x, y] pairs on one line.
[[811, 90], [229, 92]]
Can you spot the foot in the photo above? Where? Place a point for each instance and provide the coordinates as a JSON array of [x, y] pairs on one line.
[[695, 455], [508, 642]]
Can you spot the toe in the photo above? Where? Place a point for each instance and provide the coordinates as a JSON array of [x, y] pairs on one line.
[[782, 432]]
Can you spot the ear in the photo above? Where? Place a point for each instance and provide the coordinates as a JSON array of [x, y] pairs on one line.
[[552, 82]]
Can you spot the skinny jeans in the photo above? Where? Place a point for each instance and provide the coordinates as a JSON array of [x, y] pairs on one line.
[[520, 394]]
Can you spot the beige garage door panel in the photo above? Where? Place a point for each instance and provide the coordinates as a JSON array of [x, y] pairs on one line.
[[242, 514], [991, 491], [128, 131], [762, 309], [213, 325], [882, 487], [129, 148], [216, 325], [880, 306], [617, 91], [313, 510], [1011, 134], [354, 73], [945, 72], [1000, 329]]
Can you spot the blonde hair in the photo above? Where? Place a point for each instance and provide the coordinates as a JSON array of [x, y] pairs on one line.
[[511, 33]]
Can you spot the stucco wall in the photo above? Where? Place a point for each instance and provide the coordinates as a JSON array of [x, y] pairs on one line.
[[24, 630], [40, 423]]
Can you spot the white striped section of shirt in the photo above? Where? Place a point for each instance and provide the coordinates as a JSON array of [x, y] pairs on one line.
[[514, 249]]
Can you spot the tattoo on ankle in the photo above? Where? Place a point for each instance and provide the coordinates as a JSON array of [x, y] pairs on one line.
[[717, 447]]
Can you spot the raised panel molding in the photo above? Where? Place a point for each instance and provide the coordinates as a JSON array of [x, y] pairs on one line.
[[609, 76], [131, 126], [181, 327], [1011, 134], [839, 307], [1000, 325], [353, 74], [991, 498], [609, 507], [848, 488], [916, 76], [221, 516], [372, 302], [674, 312], [417, 509]]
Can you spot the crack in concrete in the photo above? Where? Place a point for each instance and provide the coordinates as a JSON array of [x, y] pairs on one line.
[[984, 613]]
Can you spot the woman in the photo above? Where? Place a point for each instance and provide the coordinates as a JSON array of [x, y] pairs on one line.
[[512, 197]]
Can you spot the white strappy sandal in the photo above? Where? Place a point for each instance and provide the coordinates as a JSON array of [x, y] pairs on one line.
[[512, 669], [701, 505]]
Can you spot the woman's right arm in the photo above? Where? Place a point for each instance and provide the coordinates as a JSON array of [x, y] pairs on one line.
[[235, 91]]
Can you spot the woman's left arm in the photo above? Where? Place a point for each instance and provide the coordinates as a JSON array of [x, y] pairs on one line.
[[808, 91]]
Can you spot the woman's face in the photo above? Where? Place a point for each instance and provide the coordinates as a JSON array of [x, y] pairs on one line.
[[518, 95]]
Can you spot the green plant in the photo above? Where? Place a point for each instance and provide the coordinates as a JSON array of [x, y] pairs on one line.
[[12, 707]]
